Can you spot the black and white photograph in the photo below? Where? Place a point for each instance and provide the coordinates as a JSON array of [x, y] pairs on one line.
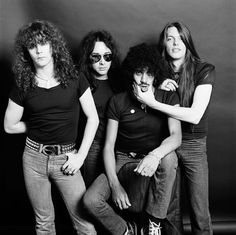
[[118, 117]]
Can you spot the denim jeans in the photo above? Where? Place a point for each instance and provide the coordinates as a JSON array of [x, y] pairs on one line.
[[39, 171], [93, 164], [97, 196], [194, 165]]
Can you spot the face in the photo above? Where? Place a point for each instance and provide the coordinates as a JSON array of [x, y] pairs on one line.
[[41, 55], [144, 80], [175, 47], [100, 58]]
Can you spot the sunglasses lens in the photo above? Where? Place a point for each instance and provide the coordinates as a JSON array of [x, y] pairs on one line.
[[107, 57], [94, 58]]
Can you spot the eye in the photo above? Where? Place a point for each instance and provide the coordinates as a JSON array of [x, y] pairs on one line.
[[138, 73]]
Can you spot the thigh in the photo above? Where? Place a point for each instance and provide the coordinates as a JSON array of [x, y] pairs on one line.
[[37, 182], [100, 189]]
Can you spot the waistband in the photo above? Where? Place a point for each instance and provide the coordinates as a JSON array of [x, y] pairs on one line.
[[48, 149], [133, 154]]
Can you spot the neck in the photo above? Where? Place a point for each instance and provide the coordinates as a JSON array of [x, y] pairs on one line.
[[102, 77], [177, 64]]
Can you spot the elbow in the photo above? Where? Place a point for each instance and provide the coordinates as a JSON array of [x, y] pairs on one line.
[[7, 129], [195, 120]]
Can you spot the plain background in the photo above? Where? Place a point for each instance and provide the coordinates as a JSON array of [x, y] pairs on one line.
[[212, 23]]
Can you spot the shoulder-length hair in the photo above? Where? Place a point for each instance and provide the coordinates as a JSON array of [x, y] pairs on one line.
[[187, 70], [41, 32], [85, 49]]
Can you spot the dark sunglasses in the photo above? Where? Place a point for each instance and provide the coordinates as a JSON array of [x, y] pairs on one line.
[[94, 58]]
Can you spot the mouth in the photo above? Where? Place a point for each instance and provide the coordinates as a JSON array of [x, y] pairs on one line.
[[102, 69], [175, 50], [144, 87]]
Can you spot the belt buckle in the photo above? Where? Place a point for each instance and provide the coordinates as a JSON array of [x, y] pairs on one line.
[[51, 150]]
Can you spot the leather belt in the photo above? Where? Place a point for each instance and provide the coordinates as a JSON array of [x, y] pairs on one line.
[[48, 149]]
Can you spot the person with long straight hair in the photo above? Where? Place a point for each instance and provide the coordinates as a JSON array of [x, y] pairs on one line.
[[51, 92], [99, 61], [193, 79]]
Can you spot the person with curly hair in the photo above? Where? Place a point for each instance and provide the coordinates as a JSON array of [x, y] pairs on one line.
[[146, 138], [99, 62], [194, 80], [51, 91]]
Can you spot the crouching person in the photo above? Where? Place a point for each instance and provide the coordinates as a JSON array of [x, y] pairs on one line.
[[141, 135]]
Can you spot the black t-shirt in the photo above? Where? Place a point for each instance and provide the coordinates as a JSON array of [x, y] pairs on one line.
[[140, 129], [204, 74], [53, 113], [101, 97]]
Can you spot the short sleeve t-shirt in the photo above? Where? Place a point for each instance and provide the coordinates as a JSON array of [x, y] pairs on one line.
[[204, 74], [101, 98], [52, 114], [140, 129]]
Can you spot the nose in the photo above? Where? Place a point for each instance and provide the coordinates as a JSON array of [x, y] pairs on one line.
[[144, 78], [102, 61], [38, 48], [176, 41]]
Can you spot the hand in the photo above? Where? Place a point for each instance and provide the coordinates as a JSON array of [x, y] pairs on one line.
[[73, 163], [146, 97], [168, 85], [120, 197], [148, 165]]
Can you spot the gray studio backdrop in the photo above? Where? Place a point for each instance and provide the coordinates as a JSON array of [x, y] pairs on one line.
[[212, 23]]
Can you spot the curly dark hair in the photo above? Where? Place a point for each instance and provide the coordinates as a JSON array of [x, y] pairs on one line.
[[85, 49], [139, 58], [41, 32]]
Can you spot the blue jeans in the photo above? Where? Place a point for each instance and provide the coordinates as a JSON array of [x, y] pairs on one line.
[[39, 171], [97, 196], [194, 165], [93, 164]]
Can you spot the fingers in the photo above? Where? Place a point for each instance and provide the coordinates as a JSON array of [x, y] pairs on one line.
[[68, 169], [123, 203]]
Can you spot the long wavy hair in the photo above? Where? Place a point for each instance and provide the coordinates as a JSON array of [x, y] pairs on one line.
[[187, 70], [139, 58], [86, 48], [41, 32]]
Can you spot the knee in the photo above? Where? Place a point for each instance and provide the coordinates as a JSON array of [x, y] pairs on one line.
[[89, 200], [169, 162]]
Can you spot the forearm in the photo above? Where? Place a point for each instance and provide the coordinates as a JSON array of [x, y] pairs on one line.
[[181, 113], [89, 133], [17, 128], [110, 167], [168, 145]]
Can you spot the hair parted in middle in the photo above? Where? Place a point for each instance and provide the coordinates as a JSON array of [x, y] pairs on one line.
[[187, 70], [142, 57], [85, 49]]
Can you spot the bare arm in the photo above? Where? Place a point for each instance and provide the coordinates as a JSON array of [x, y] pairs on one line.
[[192, 114], [119, 195], [90, 111], [76, 160], [149, 164], [12, 119]]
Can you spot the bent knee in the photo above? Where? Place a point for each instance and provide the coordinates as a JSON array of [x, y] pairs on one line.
[[89, 200], [169, 162]]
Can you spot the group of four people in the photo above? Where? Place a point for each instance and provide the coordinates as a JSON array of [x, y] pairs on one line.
[[139, 126]]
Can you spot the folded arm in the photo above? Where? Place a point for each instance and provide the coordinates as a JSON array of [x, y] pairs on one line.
[[12, 119], [149, 164]]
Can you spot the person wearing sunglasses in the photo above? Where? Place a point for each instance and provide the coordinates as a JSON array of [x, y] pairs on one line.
[[99, 62], [52, 93], [142, 137]]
